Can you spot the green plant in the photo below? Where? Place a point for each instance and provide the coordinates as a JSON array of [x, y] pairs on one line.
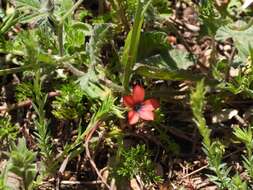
[[69, 104], [213, 149], [3, 179], [105, 109], [132, 42], [136, 161], [42, 130], [22, 163], [245, 136], [88, 81], [8, 131], [24, 91], [91, 53], [212, 17]]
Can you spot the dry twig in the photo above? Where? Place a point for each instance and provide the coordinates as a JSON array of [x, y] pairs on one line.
[[25, 103], [92, 162]]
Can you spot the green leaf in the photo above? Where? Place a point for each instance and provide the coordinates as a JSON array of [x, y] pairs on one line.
[[152, 43], [8, 22], [234, 7], [74, 39], [132, 42], [69, 104], [22, 163], [197, 101], [161, 62], [28, 4], [163, 6], [100, 36], [37, 17], [106, 109], [86, 28], [89, 85], [4, 72], [166, 74], [239, 37], [38, 11], [244, 135], [63, 7], [210, 16], [181, 58]]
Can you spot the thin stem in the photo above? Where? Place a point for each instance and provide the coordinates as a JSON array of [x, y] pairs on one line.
[[101, 7], [249, 151], [92, 162], [17, 69], [60, 26], [60, 39], [71, 10]]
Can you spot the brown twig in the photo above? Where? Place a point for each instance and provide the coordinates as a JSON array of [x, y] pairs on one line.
[[24, 103], [102, 80], [177, 133], [48, 184], [230, 61], [65, 182], [73, 70], [92, 162], [60, 172], [196, 171], [206, 166]]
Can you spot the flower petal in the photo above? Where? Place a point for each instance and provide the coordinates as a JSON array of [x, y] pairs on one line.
[[138, 94], [150, 104], [146, 115], [128, 101], [133, 117]]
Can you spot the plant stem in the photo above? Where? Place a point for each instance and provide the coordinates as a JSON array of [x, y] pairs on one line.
[[71, 10], [60, 26], [17, 69], [100, 7], [60, 39]]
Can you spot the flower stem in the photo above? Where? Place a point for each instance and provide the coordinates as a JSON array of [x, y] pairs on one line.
[[71, 10], [60, 38]]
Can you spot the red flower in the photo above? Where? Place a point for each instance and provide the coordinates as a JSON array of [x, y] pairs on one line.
[[139, 108]]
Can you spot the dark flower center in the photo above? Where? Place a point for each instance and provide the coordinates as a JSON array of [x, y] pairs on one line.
[[137, 107]]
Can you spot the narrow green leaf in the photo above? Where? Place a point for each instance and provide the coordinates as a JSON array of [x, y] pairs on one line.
[[132, 42], [166, 74]]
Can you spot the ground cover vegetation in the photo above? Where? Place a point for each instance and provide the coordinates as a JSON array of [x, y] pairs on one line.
[[136, 94]]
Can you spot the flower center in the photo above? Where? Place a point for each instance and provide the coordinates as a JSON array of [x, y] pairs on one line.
[[137, 107]]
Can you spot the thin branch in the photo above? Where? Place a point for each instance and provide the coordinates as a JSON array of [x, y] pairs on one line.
[[61, 171], [230, 62], [92, 162], [65, 182], [196, 171], [60, 38], [75, 6], [24, 103], [206, 166], [103, 80], [73, 70]]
